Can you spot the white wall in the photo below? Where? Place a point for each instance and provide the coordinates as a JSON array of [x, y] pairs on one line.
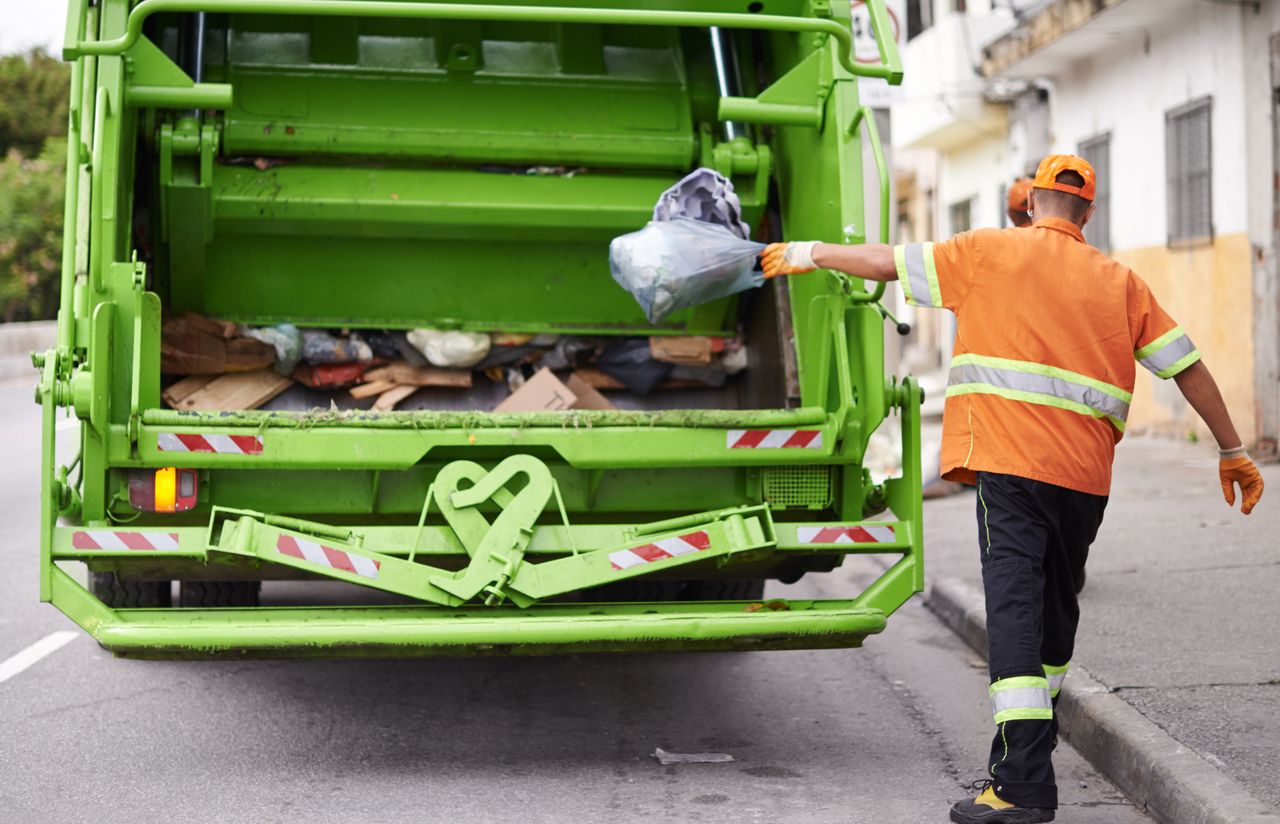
[[942, 95], [1128, 89], [975, 171]]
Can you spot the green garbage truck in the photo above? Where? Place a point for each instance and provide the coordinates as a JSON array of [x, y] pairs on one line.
[[400, 165]]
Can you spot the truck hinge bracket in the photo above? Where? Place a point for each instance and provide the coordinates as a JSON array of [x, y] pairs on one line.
[[135, 388]]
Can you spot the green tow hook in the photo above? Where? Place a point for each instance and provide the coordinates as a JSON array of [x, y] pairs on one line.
[[497, 549]]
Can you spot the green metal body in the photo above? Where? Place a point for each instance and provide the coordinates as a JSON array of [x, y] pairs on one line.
[[460, 165]]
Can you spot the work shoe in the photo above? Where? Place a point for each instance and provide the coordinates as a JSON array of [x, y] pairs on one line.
[[989, 808]]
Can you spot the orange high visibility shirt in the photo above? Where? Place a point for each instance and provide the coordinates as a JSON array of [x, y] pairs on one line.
[[1047, 332]]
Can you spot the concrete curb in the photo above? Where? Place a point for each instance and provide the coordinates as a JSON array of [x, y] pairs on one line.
[[18, 341], [1166, 779]]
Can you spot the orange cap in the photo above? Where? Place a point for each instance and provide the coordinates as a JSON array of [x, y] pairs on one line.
[[1018, 194], [1054, 165]]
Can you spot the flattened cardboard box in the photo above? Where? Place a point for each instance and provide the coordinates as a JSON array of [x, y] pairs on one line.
[[544, 392]]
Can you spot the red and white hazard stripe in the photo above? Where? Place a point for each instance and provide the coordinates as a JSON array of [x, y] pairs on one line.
[[858, 534], [110, 539], [220, 444], [656, 551], [774, 439], [327, 556]]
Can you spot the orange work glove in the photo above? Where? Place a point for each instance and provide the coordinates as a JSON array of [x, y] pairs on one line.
[[1240, 469], [794, 258]]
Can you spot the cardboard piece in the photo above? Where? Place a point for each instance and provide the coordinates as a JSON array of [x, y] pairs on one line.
[[545, 392], [588, 397], [243, 390], [195, 345], [542, 393], [682, 350]]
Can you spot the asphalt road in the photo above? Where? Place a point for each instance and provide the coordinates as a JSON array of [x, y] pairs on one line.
[[888, 733]]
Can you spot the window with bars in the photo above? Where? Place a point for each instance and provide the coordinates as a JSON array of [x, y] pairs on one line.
[[1189, 172], [919, 17], [1097, 151], [961, 216]]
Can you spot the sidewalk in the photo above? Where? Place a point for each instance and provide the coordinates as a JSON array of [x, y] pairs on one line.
[[1180, 615]]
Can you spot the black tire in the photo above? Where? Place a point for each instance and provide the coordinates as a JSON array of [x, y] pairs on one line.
[[219, 593], [741, 589], [738, 589], [115, 592]]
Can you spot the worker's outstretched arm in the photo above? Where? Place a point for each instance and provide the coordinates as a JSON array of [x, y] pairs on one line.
[[1234, 467], [870, 261]]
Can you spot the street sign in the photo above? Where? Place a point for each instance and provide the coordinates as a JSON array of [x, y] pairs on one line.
[[875, 92]]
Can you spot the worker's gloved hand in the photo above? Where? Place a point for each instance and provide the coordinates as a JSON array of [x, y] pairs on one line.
[[1240, 469], [794, 258]]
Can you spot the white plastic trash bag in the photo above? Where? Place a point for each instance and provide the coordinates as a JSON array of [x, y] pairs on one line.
[[457, 350], [669, 265]]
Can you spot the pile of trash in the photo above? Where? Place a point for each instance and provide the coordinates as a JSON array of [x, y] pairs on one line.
[[220, 365]]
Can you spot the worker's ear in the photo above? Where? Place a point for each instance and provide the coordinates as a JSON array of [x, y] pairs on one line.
[[1088, 214], [1031, 204]]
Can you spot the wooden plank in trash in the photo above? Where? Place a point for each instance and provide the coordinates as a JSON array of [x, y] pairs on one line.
[[242, 390], [388, 400], [403, 373], [368, 390], [179, 391]]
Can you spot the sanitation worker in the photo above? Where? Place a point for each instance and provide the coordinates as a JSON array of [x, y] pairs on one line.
[[1047, 332], [1019, 205]]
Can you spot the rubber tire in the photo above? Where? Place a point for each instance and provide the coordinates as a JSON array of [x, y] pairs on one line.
[[738, 589], [219, 593], [115, 593]]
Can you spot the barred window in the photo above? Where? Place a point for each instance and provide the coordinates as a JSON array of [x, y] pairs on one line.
[[1189, 172], [961, 216], [919, 17], [1097, 151]]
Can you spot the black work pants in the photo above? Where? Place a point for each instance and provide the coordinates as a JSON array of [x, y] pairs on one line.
[[1034, 539]]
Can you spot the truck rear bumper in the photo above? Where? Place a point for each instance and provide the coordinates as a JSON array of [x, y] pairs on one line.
[[417, 631]]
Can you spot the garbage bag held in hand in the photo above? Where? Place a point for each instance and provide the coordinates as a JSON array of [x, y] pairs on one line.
[[669, 265]]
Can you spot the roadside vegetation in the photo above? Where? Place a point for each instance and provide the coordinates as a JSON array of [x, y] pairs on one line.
[[33, 126]]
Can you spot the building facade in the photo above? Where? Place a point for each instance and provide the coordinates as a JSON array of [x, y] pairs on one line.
[[1175, 103]]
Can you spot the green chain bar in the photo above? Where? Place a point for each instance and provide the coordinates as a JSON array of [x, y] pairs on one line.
[[478, 12]]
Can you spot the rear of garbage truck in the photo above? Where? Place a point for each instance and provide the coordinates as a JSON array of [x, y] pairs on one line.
[[379, 167]]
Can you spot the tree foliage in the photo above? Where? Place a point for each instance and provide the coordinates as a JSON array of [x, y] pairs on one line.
[[33, 101], [31, 197], [33, 123]]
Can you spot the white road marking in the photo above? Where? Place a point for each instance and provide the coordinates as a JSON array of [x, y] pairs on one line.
[[47, 645]]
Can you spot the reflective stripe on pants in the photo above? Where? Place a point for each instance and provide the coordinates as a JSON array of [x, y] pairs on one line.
[[1022, 698], [1055, 676]]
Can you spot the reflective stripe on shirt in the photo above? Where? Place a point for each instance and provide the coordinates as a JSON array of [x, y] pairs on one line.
[[1055, 676], [1168, 354], [1037, 383], [1025, 698], [918, 274]]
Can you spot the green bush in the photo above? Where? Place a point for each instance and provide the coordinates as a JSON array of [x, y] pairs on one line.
[[33, 101], [31, 197], [33, 123]]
